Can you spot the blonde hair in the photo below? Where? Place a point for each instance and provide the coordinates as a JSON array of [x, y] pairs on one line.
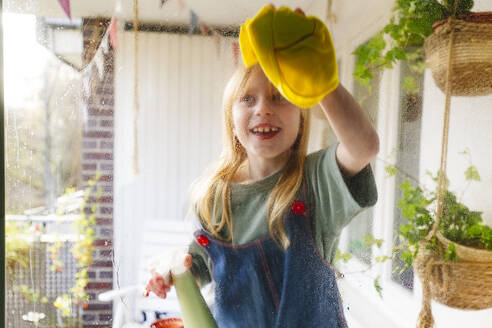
[[213, 187]]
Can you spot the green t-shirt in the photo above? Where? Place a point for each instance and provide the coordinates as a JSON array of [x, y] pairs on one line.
[[337, 200]]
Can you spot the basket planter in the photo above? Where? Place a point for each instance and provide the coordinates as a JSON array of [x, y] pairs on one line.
[[466, 284], [472, 54]]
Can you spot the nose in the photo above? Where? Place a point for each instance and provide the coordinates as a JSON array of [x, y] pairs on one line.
[[263, 108]]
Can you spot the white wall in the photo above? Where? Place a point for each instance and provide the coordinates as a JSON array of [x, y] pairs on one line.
[[356, 21], [470, 122]]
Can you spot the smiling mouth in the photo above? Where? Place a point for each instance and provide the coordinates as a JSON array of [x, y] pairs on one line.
[[265, 129], [265, 132]]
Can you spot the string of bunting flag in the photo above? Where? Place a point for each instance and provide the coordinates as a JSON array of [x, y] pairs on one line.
[[197, 25]]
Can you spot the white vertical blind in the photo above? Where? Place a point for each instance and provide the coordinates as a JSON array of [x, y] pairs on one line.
[[181, 80]]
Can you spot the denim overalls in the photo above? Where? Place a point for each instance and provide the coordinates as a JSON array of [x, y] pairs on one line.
[[262, 286]]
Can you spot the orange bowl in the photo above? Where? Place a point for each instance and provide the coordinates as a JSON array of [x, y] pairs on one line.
[[167, 323]]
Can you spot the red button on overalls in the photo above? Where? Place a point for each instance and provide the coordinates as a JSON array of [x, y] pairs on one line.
[[298, 208], [202, 240]]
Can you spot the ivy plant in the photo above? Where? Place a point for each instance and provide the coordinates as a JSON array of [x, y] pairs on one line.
[[17, 253], [458, 223], [16, 246], [403, 37]]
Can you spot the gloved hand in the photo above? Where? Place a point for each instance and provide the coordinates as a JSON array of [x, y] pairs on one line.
[[175, 260], [295, 52]]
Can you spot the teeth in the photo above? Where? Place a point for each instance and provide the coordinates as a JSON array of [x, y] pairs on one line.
[[265, 129]]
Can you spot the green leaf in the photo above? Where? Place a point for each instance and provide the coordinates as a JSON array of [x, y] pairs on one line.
[[406, 186], [381, 259], [405, 229], [451, 255], [410, 84], [363, 75], [475, 231], [432, 244], [399, 54], [362, 53], [345, 257], [412, 8], [395, 54], [418, 67], [390, 170], [407, 257], [472, 173], [377, 42], [378, 287], [369, 241]]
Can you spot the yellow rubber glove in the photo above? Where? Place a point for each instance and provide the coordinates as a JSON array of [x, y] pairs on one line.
[[295, 52]]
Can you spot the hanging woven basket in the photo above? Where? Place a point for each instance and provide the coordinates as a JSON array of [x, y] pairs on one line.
[[466, 284], [472, 54]]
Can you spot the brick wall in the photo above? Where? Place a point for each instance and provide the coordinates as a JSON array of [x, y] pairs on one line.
[[97, 156]]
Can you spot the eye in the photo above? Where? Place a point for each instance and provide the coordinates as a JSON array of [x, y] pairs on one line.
[[247, 99], [278, 97]]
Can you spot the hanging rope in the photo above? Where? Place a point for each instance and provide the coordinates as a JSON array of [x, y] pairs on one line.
[[425, 319], [442, 181], [135, 86], [330, 16]]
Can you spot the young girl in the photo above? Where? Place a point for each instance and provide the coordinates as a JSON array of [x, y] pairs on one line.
[[271, 215]]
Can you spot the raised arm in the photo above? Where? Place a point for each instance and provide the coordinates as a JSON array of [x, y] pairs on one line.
[[359, 141]]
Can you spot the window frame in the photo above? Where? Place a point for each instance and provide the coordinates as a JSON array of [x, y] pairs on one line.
[[398, 305]]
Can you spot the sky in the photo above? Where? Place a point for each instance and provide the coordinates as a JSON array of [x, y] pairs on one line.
[[24, 60]]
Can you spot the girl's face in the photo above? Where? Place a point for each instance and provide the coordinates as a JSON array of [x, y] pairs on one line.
[[265, 123]]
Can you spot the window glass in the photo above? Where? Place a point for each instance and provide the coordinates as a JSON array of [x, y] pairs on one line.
[[407, 160], [361, 226], [112, 114]]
